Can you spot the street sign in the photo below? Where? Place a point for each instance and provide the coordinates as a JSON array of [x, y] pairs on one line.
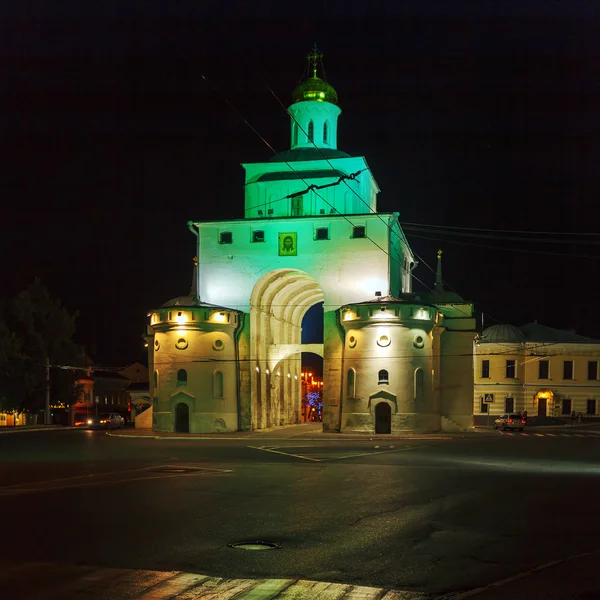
[[488, 398]]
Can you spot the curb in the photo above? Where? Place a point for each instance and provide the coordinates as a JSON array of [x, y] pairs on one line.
[[333, 438], [24, 429]]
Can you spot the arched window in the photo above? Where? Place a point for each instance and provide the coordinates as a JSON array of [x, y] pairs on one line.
[[217, 384], [383, 377], [182, 377], [311, 131], [351, 383], [155, 382], [295, 134], [418, 384], [326, 132]]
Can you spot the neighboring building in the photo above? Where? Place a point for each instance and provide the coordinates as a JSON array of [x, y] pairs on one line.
[[226, 357], [545, 371], [101, 392]]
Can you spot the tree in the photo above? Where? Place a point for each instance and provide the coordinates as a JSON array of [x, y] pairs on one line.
[[38, 331]]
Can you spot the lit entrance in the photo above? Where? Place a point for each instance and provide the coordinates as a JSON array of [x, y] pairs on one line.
[[182, 418], [541, 399], [383, 418]]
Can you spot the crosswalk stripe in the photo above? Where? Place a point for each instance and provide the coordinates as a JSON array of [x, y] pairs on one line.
[[551, 434], [579, 435], [524, 434]]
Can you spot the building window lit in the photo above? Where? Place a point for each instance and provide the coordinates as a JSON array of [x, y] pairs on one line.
[[217, 384], [591, 406], [155, 382], [322, 233], [295, 134], [485, 369], [358, 231], [311, 131], [258, 236], [225, 237], [181, 377], [383, 377], [509, 405], [326, 132], [351, 383], [593, 370], [543, 369], [568, 369], [566, 406], [419, 384], [511, 369]]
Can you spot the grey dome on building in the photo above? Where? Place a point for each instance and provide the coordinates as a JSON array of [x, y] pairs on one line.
[[502, 333]]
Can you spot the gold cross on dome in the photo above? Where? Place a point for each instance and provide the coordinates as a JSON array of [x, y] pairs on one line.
[[313, 59], [439, 254], [195, 259]]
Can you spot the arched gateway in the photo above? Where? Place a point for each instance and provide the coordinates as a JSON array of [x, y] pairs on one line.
[[311, 233]]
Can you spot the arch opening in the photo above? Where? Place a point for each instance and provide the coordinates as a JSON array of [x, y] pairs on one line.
[[279, 303]]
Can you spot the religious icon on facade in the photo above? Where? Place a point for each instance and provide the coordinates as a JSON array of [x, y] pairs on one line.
[[287, 244]]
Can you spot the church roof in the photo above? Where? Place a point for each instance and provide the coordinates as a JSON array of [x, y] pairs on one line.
[[402, 299], [314, 174], [298, 154], [532, 332], [314, 89], [502, 334], [190, 302], [535, 332]]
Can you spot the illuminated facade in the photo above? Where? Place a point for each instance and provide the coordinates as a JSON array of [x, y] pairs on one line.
[[545, 371], [227, 357]]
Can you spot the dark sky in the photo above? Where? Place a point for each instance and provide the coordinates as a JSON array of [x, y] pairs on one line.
[[478, 114]]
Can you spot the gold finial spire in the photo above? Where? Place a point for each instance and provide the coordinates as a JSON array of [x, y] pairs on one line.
[[195, 260], [439, 254], [313, 59]]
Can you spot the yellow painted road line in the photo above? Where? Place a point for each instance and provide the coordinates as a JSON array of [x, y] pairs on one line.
[[285, 453], [539, 434]]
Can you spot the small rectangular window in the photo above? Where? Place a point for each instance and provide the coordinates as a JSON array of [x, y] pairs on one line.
[[225, 237], [591, 406], [358, 231], [322, 211], [566, 406], [484, 407], [270, 211], [568, 369], [543, 369], [593, 369], [297, 206], [485, 369], [258, 236], [509, 405], [511, 369], [322, 233]]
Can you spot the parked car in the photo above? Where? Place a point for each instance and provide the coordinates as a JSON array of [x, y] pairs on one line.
[[510, 421], [105, 421]]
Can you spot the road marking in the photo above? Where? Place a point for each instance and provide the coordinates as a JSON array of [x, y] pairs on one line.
[[526, 434], [579, 435], [70, 482], [551, 434], [326, 458], [539, 434], [502, 582], [285, 453]]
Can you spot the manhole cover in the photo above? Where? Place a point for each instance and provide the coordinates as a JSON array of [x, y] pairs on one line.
[[255, 545]]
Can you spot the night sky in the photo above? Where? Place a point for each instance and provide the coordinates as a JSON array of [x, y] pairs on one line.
[[479, 115]]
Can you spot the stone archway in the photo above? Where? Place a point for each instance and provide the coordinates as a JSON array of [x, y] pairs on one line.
[[278, 302]]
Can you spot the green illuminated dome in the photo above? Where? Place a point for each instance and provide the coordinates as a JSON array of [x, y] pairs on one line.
[[316, 90]]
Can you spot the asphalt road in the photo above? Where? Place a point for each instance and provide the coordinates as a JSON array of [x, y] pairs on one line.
[[429, 516]]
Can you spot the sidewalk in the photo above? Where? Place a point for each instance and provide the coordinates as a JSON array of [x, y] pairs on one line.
[[304, 431]]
